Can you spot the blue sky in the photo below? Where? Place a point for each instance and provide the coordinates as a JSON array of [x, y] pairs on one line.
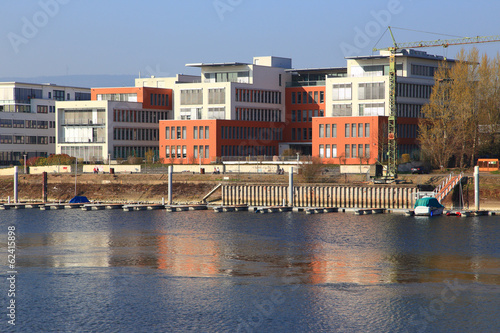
[[59, 37]]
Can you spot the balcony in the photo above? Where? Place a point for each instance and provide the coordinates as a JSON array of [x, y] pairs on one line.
[[81, 140], [305, 83], [84, 122]]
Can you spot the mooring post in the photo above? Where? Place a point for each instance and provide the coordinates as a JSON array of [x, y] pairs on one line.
[[16, 174], [44, 187], [476, 186], [170, 168], [290, 187]]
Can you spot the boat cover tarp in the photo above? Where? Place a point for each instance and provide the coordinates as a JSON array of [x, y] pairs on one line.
[[428, 202], [79, 199]]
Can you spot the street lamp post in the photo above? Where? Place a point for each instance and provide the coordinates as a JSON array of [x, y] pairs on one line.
[[24, 163]]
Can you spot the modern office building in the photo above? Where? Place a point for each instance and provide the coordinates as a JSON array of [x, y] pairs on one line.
[[338, 114], [115, 124], [27, 118], [242, 105], [357, 106]]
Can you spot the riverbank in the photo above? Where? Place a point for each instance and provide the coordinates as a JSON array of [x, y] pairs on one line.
[[191, 188]]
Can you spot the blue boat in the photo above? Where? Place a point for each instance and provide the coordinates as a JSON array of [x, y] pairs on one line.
[[79, 199]]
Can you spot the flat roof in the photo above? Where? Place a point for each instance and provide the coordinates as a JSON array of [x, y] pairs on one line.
[[319, 69], [40, 84], [217, 64], [410, 53]]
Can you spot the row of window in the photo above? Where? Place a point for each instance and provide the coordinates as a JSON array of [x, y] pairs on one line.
[[18, 123], [15, 108], [9, 157], [139, 116], [414, 90], [273, 115], [305, 115], [244, 150], [159, 99], [251, 133], [372, 90], [195, 96], [25, 95], [45, 109], [423, 70], [258, 96], [180, 152], [180, 133], [409, 110], [21, 139], [301, 134], [356, 130], [407, 130], [350, 151], [308, 97], [136, 134], [125, 151]]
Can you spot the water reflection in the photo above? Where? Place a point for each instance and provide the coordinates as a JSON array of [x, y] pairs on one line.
[[317, 249]]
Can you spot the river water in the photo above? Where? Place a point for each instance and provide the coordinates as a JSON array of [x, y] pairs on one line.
[[153, 271]]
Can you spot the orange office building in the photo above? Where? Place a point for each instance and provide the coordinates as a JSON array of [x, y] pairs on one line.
[[210, 141]]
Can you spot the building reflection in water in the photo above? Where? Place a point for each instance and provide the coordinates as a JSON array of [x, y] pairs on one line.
[[313, 249]]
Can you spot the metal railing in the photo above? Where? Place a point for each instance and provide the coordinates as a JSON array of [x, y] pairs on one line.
[[447, 185]]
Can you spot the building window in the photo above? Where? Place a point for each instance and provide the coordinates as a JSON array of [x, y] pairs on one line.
[[334, 130], [321, 97], [334, 150], [207, 152], [327, 132], [321, 151], [293, 97], [322, 130], [217, 96], [167, 151], [360, 151], [374, 90], [372, 109], [342, 110], [167, 133], [192, 97], [304, 136], [299, 98], [347, 130], [299, 115], [342, 92], [360, 130], [207, 132], [293, 116], [293, 133], [201, 132], [367, 151], [184, 134], [347, 151], [216, 113], [353, 132], [354, 155], [316, 97], [327, 151], [367, 130]]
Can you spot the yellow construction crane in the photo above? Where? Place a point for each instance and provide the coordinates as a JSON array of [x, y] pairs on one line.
[[392, 169]]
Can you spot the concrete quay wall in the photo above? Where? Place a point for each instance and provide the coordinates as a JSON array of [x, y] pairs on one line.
[[320, 196]]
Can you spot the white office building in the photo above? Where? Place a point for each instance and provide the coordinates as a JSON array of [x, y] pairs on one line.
[[27, 118]]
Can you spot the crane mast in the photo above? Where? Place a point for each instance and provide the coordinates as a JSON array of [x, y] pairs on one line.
[[392, 153]]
